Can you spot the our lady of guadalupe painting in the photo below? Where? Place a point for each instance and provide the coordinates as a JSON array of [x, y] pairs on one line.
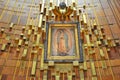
[[63, 43]]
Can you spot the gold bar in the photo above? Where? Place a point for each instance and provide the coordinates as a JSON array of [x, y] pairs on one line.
[[34, 52], [66, 5], [94, 78], [101, 53], [85, 65], [45, 77], [73, 2], [49, 41], [45, 68], [69, 77], [24, 53], [81, 73], [20, 42], [40, 20], [93, 68], [51, 63], [38, 39], [51, 2], [84, 18], [75, 63], [88, 39], [43, 4], [29, 32], [3, 47], [58, 1], [11, 26], [57, 77], [33, 68], [42, 9], [42, 58], [104, 66]]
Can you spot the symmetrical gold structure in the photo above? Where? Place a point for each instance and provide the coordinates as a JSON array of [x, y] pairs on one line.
[[59, 40]]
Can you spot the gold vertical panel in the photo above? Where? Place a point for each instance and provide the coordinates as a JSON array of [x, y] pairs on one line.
[[51, 3], [20, 42], [101, 53], [29, 32], [42, 58], [85, 65], [81, 75], [58, 1], [57, 77], [24, 52], [84, 18], [104, 66], [94, 78], [3, 47], [33, 68], [93, 68], [49, 42], [88, 39], [75, 63], [11, 25], [66, 1], [69, 77], [73, 2], [38, 38], [76, 39], [42, 9], [45, 77], [40, 20], [43, 5]]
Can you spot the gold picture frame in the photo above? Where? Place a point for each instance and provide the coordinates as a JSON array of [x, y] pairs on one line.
[[63, 42]]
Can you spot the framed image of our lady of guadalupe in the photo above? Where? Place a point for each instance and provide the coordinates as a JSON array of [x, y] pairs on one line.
[[63, 43]]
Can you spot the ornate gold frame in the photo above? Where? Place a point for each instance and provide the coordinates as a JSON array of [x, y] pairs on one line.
[[49, 57]]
